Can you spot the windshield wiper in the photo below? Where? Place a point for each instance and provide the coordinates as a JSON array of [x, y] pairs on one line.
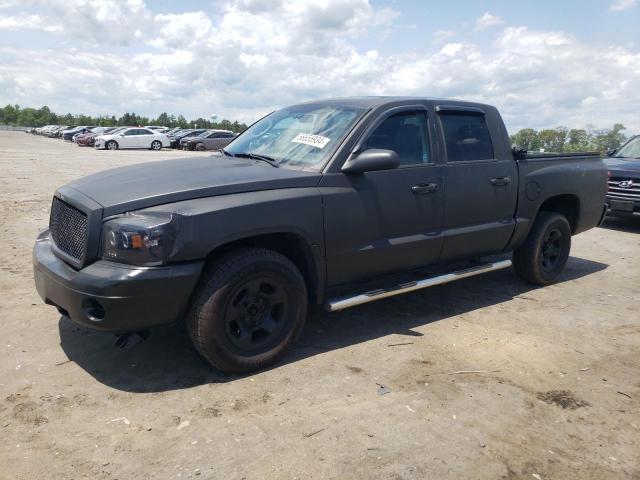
[[270, 160]]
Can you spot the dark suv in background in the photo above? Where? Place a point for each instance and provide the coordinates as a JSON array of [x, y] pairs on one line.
[[623, 197]]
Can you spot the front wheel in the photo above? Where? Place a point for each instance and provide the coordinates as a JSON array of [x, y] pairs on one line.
[[156, 145], [543, 255], [111, 145], [249, 307], [200, 147]]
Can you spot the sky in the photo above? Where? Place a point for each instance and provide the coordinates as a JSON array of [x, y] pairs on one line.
[[542, 63]]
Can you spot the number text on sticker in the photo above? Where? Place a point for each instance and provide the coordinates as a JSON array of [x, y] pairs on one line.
[[317, 141]]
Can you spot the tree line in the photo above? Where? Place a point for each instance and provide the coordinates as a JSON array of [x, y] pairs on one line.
[[37, 117], [562, 139]]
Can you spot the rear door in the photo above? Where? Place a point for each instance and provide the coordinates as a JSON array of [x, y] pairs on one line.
[[480, 183], [213, 142], [144, 137], [385, 221], [222, 139]]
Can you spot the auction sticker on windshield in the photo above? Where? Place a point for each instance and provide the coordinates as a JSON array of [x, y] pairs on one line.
[[317, 141]]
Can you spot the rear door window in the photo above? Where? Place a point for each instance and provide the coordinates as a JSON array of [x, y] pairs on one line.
[[467, 137]]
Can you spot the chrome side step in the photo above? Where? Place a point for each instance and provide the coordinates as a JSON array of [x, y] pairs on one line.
[[345, 302]]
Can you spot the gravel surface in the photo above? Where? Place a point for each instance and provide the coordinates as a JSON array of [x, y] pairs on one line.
[[486, 378]]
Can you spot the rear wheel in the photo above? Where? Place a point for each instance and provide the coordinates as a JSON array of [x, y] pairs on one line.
[[156, 145], [249, 307], [545, 252]]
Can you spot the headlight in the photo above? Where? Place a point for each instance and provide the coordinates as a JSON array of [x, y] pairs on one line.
[[144, 239]]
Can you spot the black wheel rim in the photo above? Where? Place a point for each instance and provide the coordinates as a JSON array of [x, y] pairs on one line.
[[256, 316], [551, 250]]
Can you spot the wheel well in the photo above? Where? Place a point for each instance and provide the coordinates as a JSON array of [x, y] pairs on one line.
[[292, 246], [567, 205]]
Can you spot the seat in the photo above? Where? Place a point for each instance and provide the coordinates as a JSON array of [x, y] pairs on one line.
[[408, 144]]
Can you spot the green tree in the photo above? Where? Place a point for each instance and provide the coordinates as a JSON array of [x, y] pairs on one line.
[[526, 139], [10, 114], [553, 140], [609, 139], [579, 140]]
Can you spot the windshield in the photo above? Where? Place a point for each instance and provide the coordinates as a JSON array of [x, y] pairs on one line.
[[301, 136], [630, 150]]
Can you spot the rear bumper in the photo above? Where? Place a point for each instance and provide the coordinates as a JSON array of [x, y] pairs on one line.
[[113, 297]]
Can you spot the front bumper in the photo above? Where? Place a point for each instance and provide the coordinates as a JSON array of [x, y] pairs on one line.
[[114, 297], [622, 207]]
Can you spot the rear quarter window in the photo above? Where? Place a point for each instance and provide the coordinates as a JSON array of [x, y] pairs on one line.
[[467, 137]]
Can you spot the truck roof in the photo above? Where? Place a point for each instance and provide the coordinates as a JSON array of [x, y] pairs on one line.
[[378, 101]]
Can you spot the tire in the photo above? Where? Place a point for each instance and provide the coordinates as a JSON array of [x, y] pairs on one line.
[[249, 307], [200, 147], [543, 255], [111, 145], [156, 145]]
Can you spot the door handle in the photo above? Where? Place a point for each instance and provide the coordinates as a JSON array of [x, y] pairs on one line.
[[500, 181], [424, 188]]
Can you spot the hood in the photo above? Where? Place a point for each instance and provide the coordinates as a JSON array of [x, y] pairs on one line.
[[621, 167], [155, 183]]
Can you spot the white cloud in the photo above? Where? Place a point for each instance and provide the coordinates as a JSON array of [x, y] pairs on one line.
[[487, 20], [109, 22], [257, 55], [621, 5], [440, 36], [26, 22]]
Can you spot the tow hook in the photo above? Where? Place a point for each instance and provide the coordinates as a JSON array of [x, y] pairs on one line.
[[126, 341]]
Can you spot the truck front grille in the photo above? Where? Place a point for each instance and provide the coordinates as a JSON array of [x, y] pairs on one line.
[[68, 227], [624, 188]]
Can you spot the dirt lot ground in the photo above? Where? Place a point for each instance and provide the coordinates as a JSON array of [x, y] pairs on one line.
[[373, 392]]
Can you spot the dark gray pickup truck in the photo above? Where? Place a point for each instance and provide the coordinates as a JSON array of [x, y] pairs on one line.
[[334, 202]]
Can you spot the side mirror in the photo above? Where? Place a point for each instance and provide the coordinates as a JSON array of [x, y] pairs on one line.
[[372, 160], [611, 152]]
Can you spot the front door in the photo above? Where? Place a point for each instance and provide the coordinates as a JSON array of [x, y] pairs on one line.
[[385, 221], [129, 139]]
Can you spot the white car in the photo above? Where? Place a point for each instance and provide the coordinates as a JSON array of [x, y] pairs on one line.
[[133, 138]]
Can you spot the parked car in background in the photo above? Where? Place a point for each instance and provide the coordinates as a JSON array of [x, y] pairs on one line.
[[175, 139], [57, 131], [69, 133], [623, 197], [90, 130], [135, 137], [210, 140], [184, 140], [173, 131], [89, 138]]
